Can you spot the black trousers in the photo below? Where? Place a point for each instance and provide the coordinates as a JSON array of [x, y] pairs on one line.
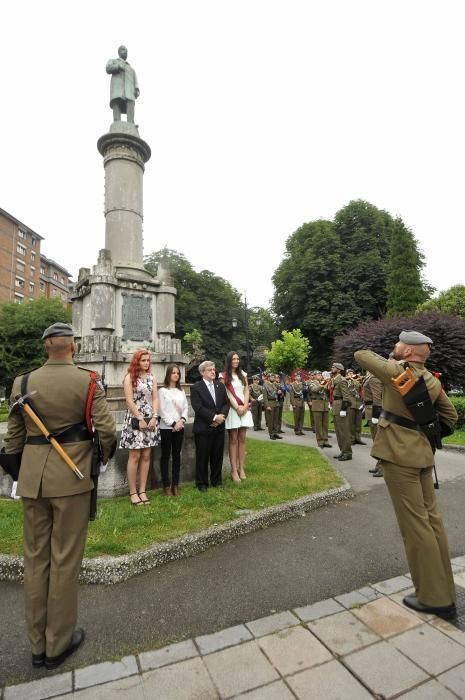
[[171, 444], [209, 452]]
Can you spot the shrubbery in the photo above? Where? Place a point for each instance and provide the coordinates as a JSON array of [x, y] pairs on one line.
[[459, 403]]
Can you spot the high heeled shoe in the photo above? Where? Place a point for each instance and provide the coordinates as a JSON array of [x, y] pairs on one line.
[[135, 503], [235, 477], [242, 475]]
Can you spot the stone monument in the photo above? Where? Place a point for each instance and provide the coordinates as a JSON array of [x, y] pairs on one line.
[[119, 306]]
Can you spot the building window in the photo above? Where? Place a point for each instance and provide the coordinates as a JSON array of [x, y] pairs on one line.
[[42, 288], [62, 279], [31, 287], [18, 299], [21, 234], [54, 292], [63, 296], [20, 266], [33, 257], [33, 242], [20, 249], [33, 270], [55, 277], [20, 283], [42, 270]]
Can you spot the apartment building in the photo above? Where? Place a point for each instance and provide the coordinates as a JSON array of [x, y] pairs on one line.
[[25, 273]]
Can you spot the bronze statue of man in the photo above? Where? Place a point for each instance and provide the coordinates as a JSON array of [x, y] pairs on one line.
[[124, 89]]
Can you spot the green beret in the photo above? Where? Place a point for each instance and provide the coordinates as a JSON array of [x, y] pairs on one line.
[[414, 338], [338, 366], [58, 330]]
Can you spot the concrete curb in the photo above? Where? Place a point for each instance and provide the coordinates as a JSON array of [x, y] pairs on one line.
[[109, 570]]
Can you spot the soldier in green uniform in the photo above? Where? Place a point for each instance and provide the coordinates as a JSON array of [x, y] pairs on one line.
[[296, 389], [281, 393], [407, 459], [256, 399], [56, 503], [319, 396], [355, 406], [311, 376], [270, 405], [340, 406], [372, 398]]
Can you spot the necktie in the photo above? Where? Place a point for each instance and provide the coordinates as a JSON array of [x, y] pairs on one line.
[[212, 391]]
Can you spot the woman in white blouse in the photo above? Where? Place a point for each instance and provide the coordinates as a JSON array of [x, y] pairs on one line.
[[173, 415]]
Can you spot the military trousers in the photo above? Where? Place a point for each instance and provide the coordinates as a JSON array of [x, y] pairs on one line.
[[355, 424], [342, 428], [257, 410], [54, 538], [414, 500], [299, 415], [280, 415], [373, 429], [321, 426], [273, 419]]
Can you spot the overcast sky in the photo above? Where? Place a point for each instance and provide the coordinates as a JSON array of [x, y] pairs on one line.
[[261, 115]]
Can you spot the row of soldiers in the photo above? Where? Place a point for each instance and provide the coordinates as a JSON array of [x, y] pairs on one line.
[[349, 395]]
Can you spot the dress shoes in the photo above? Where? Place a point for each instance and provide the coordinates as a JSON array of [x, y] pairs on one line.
[[278, 437], [175, 490], [359, 442], [378, 473], [339, 455], [273, 437], [38, 660], [345, 457], [52, 662], [447, 612], [374, 470], [202, 488], [326, 444], [167, 491], [219, 485]]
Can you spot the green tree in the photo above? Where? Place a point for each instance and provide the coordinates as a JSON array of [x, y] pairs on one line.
[[405, 287], [451, 301], [205, 302], [21, 328], [288, 353]]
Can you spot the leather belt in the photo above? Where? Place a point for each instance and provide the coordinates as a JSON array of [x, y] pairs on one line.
[[74, 433], [368, 403], [400, 420]]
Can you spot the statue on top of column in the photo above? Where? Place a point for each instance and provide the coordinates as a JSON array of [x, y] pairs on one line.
[[124, 89]]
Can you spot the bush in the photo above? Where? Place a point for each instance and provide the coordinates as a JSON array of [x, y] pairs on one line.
[[459, 403]]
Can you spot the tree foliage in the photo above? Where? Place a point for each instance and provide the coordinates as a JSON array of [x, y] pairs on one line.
[[335, 274], [208, 303], [21, 328], [451, 301], [447, 332], [288, 353], [405, 287]]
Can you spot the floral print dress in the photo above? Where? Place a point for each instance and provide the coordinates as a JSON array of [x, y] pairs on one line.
[[140, 439]]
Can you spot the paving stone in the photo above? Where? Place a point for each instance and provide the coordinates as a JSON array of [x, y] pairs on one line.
[[343, 633], [105, 672], [386, 618], [369, 593], [272, 623], [454, 680], [451, 630], [459, 561], [392, 585], [351, 600], [124, 689], [225, 638], [275, 691], [47, 687], [168, 655], [429, 691], [457, 568], [293, 650], [430, 649], [460, 579], [384, 670], [239, 669], [398, 598], [330, 681], [317, 610], [182, 681]]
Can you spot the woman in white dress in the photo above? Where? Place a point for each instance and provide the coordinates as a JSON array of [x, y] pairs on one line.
[[239, 417]]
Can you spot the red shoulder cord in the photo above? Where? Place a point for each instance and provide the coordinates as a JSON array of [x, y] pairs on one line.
[[90, 398]]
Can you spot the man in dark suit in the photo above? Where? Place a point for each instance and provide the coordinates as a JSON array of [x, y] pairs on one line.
[[210, 404]]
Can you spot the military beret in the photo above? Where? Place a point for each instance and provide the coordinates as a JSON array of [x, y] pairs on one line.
[[58, 330], [338, 366], [255, 376], [350, 370], [414, 338]]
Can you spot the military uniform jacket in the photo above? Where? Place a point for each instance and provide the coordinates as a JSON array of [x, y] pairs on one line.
[[255, 391], [318, 395], [372, 390], [61, 397], [296, 394], [270, 396], [340, 389], [354, 390], [394, 443]]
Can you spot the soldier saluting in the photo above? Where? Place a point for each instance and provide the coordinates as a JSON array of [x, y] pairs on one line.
[[296, 389], [56, 503], [415, 411]]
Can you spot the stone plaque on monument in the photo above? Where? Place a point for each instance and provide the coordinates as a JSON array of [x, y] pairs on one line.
[[137, 317]]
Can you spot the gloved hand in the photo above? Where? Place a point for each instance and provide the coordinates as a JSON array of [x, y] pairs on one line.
[[342, 413]]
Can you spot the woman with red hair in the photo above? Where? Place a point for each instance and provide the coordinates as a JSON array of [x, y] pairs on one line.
[[140, 428]]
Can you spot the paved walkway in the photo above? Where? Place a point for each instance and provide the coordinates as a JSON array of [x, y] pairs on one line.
[[363, 644]]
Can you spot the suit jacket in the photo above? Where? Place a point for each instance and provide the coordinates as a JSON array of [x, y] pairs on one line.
[[205, 408], [394, 443], [60, 400]]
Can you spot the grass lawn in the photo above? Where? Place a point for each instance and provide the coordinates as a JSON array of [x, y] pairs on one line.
[[276, 473]]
